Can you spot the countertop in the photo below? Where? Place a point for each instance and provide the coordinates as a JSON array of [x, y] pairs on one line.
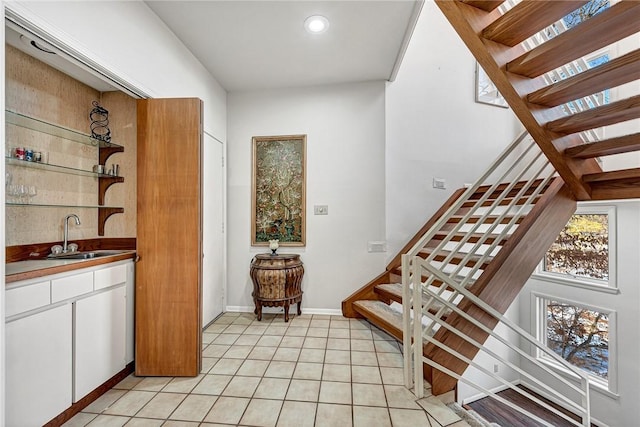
[[22, 270]]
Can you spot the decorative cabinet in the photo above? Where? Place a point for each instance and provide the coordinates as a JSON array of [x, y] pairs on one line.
[[66, 334], [53, 134], [277, 281]]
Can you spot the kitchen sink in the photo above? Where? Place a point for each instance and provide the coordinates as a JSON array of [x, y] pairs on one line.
[[84, 254]]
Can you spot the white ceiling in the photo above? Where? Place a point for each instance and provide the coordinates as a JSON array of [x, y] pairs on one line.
[[251, 45]]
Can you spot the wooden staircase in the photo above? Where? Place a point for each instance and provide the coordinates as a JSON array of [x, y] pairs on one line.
[[496, 39], [512, 261]]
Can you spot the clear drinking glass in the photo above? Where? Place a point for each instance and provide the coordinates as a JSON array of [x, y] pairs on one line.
[[32, 192]]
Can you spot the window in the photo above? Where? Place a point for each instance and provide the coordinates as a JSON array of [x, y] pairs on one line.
[[580, 334], [591, 8], [583, 252]]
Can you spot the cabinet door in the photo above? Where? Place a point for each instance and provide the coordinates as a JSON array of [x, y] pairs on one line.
[[169, 237], [39, 367], [100, 339]]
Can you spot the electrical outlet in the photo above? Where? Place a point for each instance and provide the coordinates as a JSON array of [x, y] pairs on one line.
[[439, 183], [378, 246], [496, 368]]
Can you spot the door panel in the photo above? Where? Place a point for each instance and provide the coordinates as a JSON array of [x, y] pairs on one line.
[[213, 242], [169, 238]]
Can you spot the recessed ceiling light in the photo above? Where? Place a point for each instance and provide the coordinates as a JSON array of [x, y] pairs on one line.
[[316, 24]]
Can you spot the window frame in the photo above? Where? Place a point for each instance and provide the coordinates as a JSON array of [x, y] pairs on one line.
[[539, 303], [607, 286]]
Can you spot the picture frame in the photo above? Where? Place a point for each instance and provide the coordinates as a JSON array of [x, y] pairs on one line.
[[486, 91], [278, 190]]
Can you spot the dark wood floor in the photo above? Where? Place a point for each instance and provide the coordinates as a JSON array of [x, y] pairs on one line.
[[496, 412]]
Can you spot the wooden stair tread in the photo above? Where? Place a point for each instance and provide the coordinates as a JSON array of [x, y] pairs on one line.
[[609, 114], [486, 5], [471, 237], [474, 219], [499, 189], [613, 175], [393, 291], [457, 259], [504, 202], [526, 19], [381, 315], [614, 73], [619, 184], [606, 147], [607, 27]]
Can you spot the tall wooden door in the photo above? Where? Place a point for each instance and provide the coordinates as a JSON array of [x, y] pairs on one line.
[[169, 238]]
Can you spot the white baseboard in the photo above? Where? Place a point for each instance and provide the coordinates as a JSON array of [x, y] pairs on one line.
[[277, 310], [483, 395]]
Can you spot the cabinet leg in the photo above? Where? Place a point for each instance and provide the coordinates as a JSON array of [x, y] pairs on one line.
[[286, 312]]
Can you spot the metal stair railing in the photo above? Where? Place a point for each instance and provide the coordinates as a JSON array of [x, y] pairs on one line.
[[526, 153], [511, 186], [407, 294], [582, 409]]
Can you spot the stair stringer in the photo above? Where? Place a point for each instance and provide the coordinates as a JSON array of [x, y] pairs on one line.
[[501, 282], [367, 292]]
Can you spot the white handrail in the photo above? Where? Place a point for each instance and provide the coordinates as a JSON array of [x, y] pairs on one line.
[[584, 378], [526, 173]]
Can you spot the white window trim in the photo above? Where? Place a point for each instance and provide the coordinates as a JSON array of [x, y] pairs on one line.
[[608, 286], [539, 330]]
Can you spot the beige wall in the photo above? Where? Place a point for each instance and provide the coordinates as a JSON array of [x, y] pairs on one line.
[[37, 90]]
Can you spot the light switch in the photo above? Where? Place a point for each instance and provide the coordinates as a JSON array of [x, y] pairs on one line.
[[321, 210]]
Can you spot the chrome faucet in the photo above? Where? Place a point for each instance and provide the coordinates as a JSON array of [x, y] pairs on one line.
[[66, 230]]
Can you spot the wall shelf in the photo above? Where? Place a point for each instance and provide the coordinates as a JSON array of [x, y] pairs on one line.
[[54, 168], [64, 205], [104, 151], [38, 125]]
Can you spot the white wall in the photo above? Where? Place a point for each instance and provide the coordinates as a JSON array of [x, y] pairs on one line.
[[624, 409], [344, 125], [434, 127]]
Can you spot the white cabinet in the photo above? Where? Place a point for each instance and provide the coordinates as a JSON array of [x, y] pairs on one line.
[[38, 366], [100, 332], [66, 334]]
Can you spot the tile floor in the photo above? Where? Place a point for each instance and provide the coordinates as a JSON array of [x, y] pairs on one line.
[[316, 370]]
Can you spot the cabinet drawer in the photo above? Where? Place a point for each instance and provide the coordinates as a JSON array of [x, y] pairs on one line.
[[69, 287], [27, 298], [110, 276]]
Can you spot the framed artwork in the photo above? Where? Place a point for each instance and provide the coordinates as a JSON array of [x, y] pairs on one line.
[[486, 91], [278, 193]]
